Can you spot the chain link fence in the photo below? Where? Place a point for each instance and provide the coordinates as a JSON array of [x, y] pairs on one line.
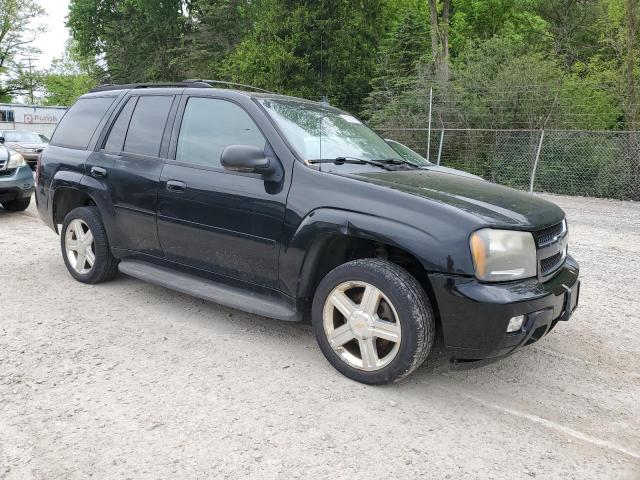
[[568, 162]]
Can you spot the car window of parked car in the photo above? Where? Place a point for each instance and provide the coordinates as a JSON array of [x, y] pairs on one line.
[[147, 125], [210, 125], [115, 140], [22, 137], [80, 122]]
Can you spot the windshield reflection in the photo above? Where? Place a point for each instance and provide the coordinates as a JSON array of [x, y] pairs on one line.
[[317, 131]]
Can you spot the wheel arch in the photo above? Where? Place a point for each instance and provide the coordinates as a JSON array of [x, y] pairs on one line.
[[72, 189], [65, 199], [328, 238]]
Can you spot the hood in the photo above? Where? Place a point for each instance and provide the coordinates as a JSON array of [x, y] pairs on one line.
[[453, 171], [26, 145], [494, 204]]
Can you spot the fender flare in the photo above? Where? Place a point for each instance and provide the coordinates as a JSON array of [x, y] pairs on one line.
[[304, 251], [88, 186]]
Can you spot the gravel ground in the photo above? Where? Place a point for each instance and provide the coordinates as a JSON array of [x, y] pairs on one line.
[[130, 380]]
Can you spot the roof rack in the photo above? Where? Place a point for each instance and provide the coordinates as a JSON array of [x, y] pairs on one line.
[[224, 82], [190, 83], [129, 86]]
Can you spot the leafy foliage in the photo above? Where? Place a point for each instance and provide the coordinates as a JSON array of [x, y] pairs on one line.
[[490, 64], [65, 81], [18, 30], [133, 38]]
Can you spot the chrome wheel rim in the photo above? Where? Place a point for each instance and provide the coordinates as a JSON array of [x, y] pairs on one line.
[[79, 246], [362, 326]]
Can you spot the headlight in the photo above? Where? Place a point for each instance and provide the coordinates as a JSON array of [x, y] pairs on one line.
[[502, 255], [15, 160]]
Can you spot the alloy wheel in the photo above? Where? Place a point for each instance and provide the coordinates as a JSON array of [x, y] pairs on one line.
[[80, 247], [362, 325]]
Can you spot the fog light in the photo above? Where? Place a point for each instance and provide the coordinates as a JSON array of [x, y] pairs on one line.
[[515, 324]]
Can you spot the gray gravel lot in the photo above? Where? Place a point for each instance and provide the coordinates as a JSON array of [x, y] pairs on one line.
[[130, 380]]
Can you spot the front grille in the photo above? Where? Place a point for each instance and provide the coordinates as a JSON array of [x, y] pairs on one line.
[[549, 264], [551, 244], [6, 173], [548, 235]]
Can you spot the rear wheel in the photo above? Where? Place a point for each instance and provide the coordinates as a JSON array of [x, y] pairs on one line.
[[373, 321], [85, 247], [18, 205]]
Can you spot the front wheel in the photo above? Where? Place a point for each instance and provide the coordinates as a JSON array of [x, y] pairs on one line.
[[373, 321]]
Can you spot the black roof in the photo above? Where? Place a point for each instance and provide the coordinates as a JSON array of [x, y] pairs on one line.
[[191, 83]]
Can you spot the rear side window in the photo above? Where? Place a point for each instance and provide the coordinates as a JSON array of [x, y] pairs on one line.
[[147, 125], [79, 124], [118, 132], [209, 126]]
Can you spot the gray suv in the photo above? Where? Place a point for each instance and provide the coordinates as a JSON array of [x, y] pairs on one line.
[[16, 180]]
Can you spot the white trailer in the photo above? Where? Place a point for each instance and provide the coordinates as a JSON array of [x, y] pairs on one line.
[[35, 118]]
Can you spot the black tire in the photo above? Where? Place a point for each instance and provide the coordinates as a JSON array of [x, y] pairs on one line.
[[105, 266], [413, 309], [18, 205]]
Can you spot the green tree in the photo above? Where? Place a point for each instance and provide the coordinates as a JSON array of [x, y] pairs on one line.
[[65, 81], [212, 30], [133, 38], [401, 54], [18, 30], [312, 49]]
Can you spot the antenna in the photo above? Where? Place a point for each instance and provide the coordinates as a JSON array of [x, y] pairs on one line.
[[322, 92]]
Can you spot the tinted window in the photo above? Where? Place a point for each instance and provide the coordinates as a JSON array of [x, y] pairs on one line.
[[147, 125], [209, 126], [115, 141], [79, 123]]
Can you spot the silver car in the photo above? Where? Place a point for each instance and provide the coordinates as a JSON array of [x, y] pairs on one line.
[[28, 144]]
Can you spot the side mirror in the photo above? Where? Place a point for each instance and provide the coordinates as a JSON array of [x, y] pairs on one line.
[[248, 159], [1, 140]]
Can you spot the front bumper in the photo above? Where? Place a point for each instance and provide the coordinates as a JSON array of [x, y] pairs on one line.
[[16, 185], [475, 315], [31, 158]]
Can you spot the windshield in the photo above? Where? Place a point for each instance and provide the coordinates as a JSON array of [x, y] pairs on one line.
[[318, 131], [22, 137]]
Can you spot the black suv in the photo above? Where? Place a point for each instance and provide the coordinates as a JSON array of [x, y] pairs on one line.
[[293, 209]]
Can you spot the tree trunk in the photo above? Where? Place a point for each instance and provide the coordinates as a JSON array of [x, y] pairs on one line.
[[444, 36], [433, 19], [440, 39], [630, 80]]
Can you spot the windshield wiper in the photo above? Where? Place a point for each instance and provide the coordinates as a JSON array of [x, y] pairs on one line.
[[398, 161], [353, 161]]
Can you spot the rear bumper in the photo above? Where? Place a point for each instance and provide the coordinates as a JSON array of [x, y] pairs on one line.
[[475, 315], [45, 208], [16, 186]]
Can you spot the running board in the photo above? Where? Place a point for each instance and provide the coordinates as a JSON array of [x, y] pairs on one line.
[[229, 296]]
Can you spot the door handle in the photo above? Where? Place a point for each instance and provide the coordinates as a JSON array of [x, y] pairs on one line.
[[98, 172], [176, 186]]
